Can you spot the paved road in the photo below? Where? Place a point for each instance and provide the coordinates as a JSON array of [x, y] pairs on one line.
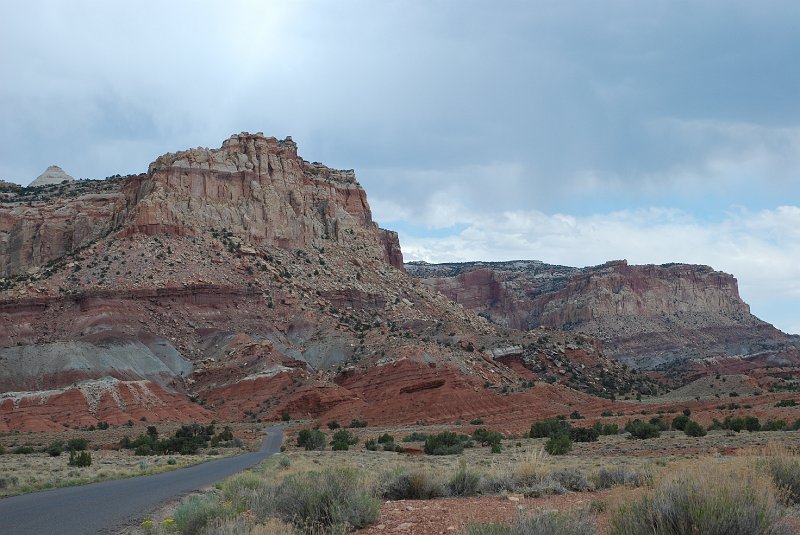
[[104, 507]]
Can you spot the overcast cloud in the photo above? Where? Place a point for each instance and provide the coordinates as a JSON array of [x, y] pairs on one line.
[[571, 132]]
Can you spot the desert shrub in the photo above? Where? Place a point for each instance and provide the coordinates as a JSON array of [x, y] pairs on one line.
[[572, 479], [476, 421], [195, 512], [403, 484], [445, 443], [496, 448], [751, 423], [584, 434], [311, 439], [642, 430], [679, 422], [774, 425], [605, 429], [358, 423], [464, 482], [285, 416], [384, 438], [606, 414], [578, 522], [7, 482], [244, 490], [616, 476], [661, 423], [786, 403], [77, 444], [548, 427], [333, 424], [487, 438], [343, 439], [545, 487], [187, 439], [371, 445], [558, 444], [716, 502], [694, 429], [733, 424], [335, 499], [575, 415], [102, 426], [55, 448], [416, 437], [80, 458], [785, 472], [2, 450], [23, 450]]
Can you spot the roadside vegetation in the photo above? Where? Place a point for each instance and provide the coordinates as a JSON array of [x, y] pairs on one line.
[[311, 490]]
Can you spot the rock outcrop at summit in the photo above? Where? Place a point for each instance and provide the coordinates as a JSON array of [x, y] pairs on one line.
[[648, 316], [52, 175]]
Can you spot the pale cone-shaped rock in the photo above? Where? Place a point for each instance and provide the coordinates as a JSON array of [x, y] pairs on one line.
[[52, 175]]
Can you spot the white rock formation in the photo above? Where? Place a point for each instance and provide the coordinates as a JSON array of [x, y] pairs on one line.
[[52, 175]]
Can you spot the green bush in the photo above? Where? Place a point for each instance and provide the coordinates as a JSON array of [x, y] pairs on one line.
[[333, 500], [311, 439], [195, 512], [584, 434], [661, 423], [55, 448], [550, 522], [716, 503], [548, 427], [774, 425], [416, 437], [751, 423], [371, 445], [342, 440], [679, 422], [694, 429], [333, 424], [384, 438], [487, 438], [786, 403], [642, 430], [558, 444], [476, 421], [102, 425], [80, 458], [575, 415], [285, 416], [23, 450], [445, 443]]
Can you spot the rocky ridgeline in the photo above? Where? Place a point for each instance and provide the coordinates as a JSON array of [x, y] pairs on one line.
[[254, 282], [649, 316]]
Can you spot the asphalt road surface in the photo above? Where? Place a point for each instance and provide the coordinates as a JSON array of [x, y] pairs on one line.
[[108, 506]]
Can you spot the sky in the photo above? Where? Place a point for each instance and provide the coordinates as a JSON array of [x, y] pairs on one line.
[[572, 132]]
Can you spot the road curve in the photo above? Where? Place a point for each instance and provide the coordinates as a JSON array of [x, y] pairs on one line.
[[105, 507]]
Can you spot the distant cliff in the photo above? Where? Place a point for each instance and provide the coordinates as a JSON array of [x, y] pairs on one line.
[[646, 315]]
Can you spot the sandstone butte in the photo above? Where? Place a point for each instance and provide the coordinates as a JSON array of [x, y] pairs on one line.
[[243, 282]]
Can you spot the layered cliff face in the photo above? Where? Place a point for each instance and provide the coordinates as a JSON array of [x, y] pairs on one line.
[[648, 316], [249, 279]]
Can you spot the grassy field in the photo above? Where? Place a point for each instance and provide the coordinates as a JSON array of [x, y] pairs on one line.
[[21, 473], [478, 492]]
